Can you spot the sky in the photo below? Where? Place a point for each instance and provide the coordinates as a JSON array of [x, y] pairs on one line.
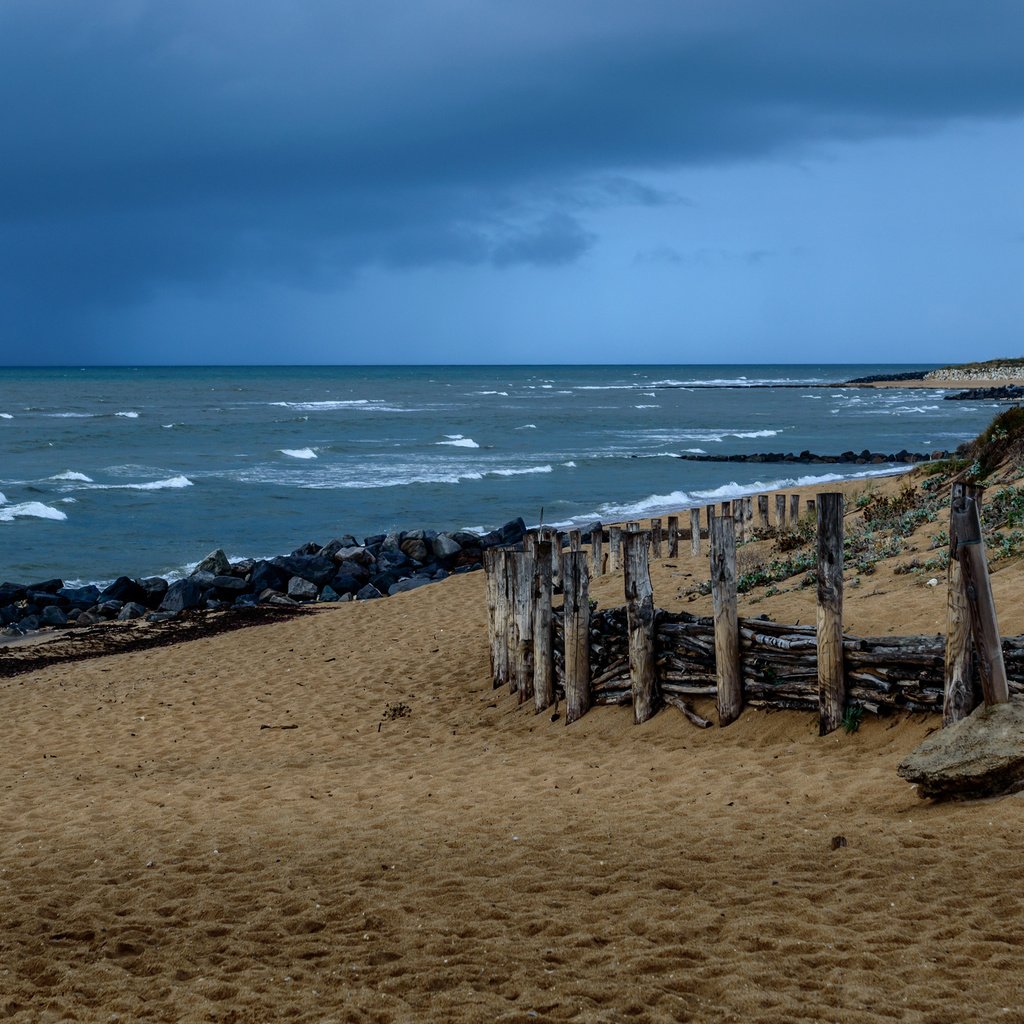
[[503, 181]]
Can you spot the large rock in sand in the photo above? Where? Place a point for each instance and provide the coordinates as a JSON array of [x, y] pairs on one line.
[[983, 755]]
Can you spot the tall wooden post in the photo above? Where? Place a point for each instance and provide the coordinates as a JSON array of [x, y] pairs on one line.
[[543, 657], [762, 512], [959, 692], [728, 675], [748, 517], [780, 512], [831, 677], [695, 532], [640, 619], [656, 538], [970, 549], [615, 547], [794, 511], [673, 536], [710, 509], [738, 521], [524, 568], [725, 509], [576, 629], [811, 510], [556, 558], [596, 550]]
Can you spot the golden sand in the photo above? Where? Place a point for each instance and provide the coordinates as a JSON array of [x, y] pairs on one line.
[[336, 818]]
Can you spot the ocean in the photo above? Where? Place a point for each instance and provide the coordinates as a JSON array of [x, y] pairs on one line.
[[142, 471]]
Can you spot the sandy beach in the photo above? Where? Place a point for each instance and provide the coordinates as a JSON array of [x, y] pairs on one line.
[[336, 818]]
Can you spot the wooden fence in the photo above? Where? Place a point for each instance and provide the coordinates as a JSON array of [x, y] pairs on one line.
[[639, 655]]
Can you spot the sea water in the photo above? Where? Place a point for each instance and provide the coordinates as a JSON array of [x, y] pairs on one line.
[[144, 470]]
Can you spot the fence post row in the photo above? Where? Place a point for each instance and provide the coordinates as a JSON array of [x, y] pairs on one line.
[[576, 629], [729, 678], [831, 677], [640, 619], [970, 552]]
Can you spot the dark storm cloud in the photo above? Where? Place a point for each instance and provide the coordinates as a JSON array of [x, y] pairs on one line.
[[144, 144]]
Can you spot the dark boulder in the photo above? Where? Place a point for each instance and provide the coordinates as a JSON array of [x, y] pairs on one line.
[[348, 583], [228, 585], [416, 548], [183, 595], [29, 623], [124, 589], [161, 616], [11, 592], [302, 590], [413, 583], [368, 593], [80, 597], [242, 567], [131, 610], [53, 615], [311, 547], [88, 618], [41, 599], [446, 547], [109, 609], [266, 576], [246, 601], [216, 562], [154, 588], [46, 586], [314, 568]]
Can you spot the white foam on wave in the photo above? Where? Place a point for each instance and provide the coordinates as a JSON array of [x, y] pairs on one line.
[[756, 433], [677, 500], [29, 510], [70, 415], [646, 406], [3, 498], [69, 501], [569, 465], [298, 453], [6, 416], [70, 474], [527, 426], [458, 441], [167, 426], [128, 415], [504, 394], [528, 471], [171, 483], [695, 451], [340, 405]]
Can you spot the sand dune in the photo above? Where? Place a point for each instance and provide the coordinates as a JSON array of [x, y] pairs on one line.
[[336, 818]]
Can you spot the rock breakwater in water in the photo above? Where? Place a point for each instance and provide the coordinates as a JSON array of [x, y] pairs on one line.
[[344, 569], [862, 458]]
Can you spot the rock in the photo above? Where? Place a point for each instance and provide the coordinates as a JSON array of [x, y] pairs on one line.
[[109, 609], [246, 601], [330, 549], [329, 594], [229, 584], [183, 595], [392, 542], [161, 616], [302, 590], [413, 583], [982, 755], [416, 548], [311, 547], [40, 598], [154, 588], [513, 531], [123, 589], [349, 582], [368, 593], [314, 568], [281, 599], [29, 624], [242, 567], [46, 587], [446, 547], [265, 576], [215, 562], [11, 592], [53, 615], [80, 597], [88, 618], [266, 595], [356, 554], [132, 610]]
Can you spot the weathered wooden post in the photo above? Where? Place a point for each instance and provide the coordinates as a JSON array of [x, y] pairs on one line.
[[490, 560], [695, 532], [831, 676], [710, 509], [762, 512], [575, 540], [615, 547], [959, 694], [725, 509], [673, 536], [728, 675], [656, 538], [524, 564], [780, 512], [970, 550], [811, 510], [640, 618], [738, 521], [556, 558], [596, 550], [748, 517], [576, 629], [507, 602], [543, 656], [794, 511], [632, 527]]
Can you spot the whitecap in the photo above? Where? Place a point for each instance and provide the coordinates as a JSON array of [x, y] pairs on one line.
[[30, 509], [458, 441], [757, 433], [527, 426], [69, 501], [569, 465], [70, 415], [70, 474], [520, 472], [167, 426], [695, 451], [171, 483], [6, 416], [298, 453], [128, 415], [504, 394], [646, 406]]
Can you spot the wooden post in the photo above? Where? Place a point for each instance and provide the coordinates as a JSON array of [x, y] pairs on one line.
[[656, 538], [673, 536], [576, 629], [640, 618], [632, 527], [596, 553], [556, 558], [811, 510], [794, 511], [615, 547], [727, 634], [780, 512], [725, 509], [711, 515], [695, 532], [524, 568], [738, 521], [507, 619], [959, 693], [490, 559], [575, 540], [831, 676], [762, 511], [970, 550], [543, 657]]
